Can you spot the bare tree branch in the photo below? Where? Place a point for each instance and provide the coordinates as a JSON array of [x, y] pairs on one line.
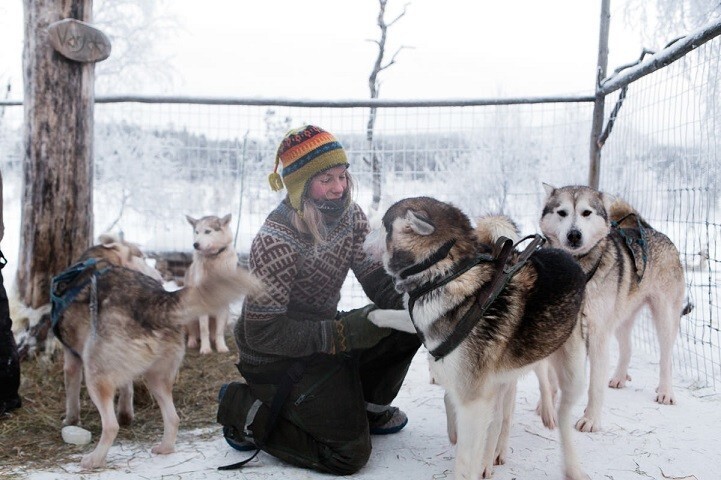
[[374, 87]]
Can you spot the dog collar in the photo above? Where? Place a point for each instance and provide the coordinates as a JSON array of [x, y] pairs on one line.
[[218, 252], [436, 257]]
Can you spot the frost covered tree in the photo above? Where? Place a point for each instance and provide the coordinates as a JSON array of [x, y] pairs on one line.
[[659, 21], [134, 28]]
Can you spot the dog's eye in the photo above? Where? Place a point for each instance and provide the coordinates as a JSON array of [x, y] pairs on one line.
[[562, 213], [586, 213], [208, 232]]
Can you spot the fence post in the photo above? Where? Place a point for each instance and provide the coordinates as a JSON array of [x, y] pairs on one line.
[[594, 168]]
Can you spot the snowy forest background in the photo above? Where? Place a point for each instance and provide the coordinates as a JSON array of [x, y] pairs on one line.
[[157, 162]]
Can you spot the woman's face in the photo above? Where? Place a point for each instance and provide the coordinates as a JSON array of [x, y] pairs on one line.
[[329, 185]]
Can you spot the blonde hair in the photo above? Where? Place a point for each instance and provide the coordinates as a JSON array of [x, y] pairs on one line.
[[311, 222]]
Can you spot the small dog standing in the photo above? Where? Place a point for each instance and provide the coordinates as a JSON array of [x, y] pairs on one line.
[[135, 329], [482, 337], [212, 252], [628, 265]]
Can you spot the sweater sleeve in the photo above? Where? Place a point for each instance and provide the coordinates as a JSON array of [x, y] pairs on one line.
[[267, 326], [376, 283]]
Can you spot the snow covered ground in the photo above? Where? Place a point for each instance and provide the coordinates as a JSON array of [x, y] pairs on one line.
[[640, 440]]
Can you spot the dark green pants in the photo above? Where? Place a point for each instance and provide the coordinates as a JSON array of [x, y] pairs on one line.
[[323, 423]]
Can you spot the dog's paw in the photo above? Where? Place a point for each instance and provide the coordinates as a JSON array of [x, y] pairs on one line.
[[548, 417], [500, 458], [585, 424], [619, 381], [665, 397], [91, 461], [205, 349], [395, 319], [192, 343], [68, 421], [547, 414], [576, 474], [377, 317], [162, 449]]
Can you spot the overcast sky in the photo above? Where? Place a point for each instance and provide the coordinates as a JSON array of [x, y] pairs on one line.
[[320, 49]]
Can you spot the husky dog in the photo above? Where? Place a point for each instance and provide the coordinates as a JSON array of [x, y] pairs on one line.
[[483, 337], [627, 265], [74, 329], [135, 329], [212, 252]]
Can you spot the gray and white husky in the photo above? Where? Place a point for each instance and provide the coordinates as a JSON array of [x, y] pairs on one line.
[[442, 265], [628, 265], [213, 253]]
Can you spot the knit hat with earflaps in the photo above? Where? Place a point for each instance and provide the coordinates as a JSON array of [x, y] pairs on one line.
[[304, 152]]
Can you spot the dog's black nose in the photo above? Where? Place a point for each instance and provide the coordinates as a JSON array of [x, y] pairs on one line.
[[196, 245], [574, 237]]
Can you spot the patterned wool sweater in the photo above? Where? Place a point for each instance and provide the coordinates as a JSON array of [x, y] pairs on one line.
[[295, 316]]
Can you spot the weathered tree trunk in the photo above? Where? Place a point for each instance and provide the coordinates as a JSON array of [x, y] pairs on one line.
[[57, 209]]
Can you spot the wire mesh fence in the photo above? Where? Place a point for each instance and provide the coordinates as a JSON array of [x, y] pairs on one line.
[[156, 161], [662, 156]]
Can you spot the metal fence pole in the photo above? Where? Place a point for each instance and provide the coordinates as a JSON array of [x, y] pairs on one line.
[[594, 168]]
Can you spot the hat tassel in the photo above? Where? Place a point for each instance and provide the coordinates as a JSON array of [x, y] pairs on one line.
[[276, 182]]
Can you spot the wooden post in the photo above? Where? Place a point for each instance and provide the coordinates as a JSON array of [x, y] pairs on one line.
[[594, 169], [57, 208]]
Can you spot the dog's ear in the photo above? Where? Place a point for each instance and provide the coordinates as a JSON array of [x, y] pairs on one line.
[[419, 223], [548, 188], [108, 240], [191, 220], [226, 219], [608, 201]]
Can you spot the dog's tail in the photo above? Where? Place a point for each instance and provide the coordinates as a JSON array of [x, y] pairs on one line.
[[490, 228], [215, 291], [625, 215]]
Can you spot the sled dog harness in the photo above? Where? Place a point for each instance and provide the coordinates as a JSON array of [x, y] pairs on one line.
[[631, 236], [487, 294], [66, 286], [634, 235]]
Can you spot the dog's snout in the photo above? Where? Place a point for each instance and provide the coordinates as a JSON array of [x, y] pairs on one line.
[[574, 237], [196, 246]]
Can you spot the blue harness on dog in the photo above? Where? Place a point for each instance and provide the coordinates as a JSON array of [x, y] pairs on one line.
[[65, 287], [635, 240]]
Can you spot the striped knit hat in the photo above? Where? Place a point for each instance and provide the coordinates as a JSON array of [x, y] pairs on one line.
[[304, 152]]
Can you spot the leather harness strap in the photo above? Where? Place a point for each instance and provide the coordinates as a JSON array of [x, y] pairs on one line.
[[486, 294]]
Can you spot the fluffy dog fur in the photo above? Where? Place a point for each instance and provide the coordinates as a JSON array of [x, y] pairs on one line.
[[533, 318], [138, 332], [579, 220], [212, 252], [75, 328]]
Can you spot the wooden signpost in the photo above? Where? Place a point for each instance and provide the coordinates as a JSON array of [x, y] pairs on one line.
[[79, 41]]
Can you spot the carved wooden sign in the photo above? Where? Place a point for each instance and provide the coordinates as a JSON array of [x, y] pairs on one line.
[[79, 41]]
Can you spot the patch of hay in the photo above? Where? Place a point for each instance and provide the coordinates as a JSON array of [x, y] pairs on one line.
[[30, 436]]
